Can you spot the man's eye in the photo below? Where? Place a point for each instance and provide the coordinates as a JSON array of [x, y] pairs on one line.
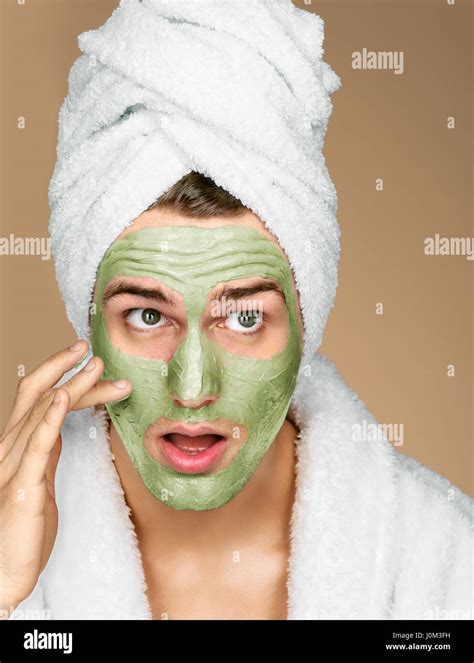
[[246, 323], [145, 318]]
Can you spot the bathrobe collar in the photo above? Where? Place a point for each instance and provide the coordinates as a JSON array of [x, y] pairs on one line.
[[341, 524]]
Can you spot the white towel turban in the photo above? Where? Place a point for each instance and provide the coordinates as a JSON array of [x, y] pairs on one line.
[[234, 89]]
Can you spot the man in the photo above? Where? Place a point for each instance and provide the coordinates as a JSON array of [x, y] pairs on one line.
[[224, 478], [210, 544]]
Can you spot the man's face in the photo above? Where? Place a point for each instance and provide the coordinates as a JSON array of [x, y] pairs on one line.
[[204, 322]]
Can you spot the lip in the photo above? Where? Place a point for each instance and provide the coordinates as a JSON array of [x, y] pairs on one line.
[[219, 455], [181, 461], [196, 463]]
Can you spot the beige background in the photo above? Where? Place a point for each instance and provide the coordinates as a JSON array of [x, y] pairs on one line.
[[383, 125]]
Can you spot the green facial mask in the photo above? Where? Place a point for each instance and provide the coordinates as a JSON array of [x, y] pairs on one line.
[[254, 393]]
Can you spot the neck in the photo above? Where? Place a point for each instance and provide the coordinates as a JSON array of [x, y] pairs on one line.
[[261, 511]]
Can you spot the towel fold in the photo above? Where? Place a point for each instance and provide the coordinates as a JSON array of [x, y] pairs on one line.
[[234, 89]]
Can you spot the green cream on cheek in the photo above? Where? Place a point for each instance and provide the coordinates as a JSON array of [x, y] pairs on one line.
[[253, 393]]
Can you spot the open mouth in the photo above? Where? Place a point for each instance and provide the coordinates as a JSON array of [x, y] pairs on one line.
[[194, 448], [193, 445]]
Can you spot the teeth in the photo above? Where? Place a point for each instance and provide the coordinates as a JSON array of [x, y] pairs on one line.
[[192, 452], [191, 446]]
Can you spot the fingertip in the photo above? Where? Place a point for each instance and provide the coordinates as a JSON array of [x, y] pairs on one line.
[[99, 362], [122, 387], [61, 397], [121, 384], [80, 344], [94, 364]]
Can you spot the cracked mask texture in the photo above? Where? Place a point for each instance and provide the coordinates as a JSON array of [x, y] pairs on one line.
[[253, 393]]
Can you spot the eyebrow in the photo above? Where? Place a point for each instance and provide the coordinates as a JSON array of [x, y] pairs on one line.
[[227, 291], [237, 292], [123, 288]]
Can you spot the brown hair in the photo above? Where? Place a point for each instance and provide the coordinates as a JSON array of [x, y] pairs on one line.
[[197, 195]]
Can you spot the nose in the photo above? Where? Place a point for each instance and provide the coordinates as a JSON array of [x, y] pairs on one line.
[[196, 404], [193, 375]]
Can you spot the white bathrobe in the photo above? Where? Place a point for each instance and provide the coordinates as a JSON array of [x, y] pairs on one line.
[[374, 534]]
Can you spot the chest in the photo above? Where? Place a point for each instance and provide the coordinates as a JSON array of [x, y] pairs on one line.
[[237, 586]]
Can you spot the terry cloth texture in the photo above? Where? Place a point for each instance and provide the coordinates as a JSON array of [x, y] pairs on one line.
[[374, 533], [236, 90]]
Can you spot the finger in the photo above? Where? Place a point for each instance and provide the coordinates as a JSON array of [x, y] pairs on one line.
[[15, 440], [52, 467], [42, 378], [83, 380], [12, 447], [104, 391], [37, 453]]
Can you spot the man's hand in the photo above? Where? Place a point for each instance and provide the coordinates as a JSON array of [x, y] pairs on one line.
[[30, 447]]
